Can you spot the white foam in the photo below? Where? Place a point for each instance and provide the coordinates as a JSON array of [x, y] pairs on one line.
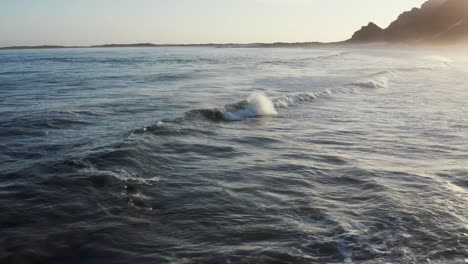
[[122, 175], [256, 105], [260, 105], [288, 100], [378, 80]]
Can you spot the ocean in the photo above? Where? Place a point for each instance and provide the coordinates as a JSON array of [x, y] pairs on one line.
[[234, 155]]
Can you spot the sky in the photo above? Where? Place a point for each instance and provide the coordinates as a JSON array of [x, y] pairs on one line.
[[89, 22]]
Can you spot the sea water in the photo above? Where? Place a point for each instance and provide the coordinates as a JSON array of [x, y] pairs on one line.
[[219, 155]]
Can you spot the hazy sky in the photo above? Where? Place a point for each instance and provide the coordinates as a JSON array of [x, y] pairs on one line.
[[84, 22]]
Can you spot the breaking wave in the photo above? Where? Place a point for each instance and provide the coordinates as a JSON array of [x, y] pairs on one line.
[[255, 105], [378, 80], [383, 79], [288, 100]]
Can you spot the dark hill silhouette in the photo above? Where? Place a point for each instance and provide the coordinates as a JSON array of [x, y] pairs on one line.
[[437, 21], [368, 33]]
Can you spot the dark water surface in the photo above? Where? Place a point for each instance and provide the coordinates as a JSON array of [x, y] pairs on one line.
[[204, 155]]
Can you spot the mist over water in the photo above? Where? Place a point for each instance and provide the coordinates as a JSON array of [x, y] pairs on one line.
[[204, 155]]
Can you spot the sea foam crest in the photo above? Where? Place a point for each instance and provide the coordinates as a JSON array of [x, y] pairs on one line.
[[255, 105], [288, 100], [378, 80], [260, 105]]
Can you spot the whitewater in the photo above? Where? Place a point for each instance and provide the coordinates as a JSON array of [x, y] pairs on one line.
[[349, 154]]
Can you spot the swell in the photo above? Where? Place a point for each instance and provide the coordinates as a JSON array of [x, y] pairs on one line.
[[173, 128], [256, 105], [384, 78], [293, 99], [111, 60], [305, 60], [38, 125], [377, 80]]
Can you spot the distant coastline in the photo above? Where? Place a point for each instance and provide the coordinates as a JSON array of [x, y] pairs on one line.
[[150, 45]]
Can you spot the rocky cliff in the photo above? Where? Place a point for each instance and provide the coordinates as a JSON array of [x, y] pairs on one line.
[[437, 21]]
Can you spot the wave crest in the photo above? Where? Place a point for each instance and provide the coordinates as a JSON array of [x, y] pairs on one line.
[[255, 105], [378, 80], [287, 100]]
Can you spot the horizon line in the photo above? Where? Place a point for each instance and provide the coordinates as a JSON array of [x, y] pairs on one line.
[[149, 44]]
